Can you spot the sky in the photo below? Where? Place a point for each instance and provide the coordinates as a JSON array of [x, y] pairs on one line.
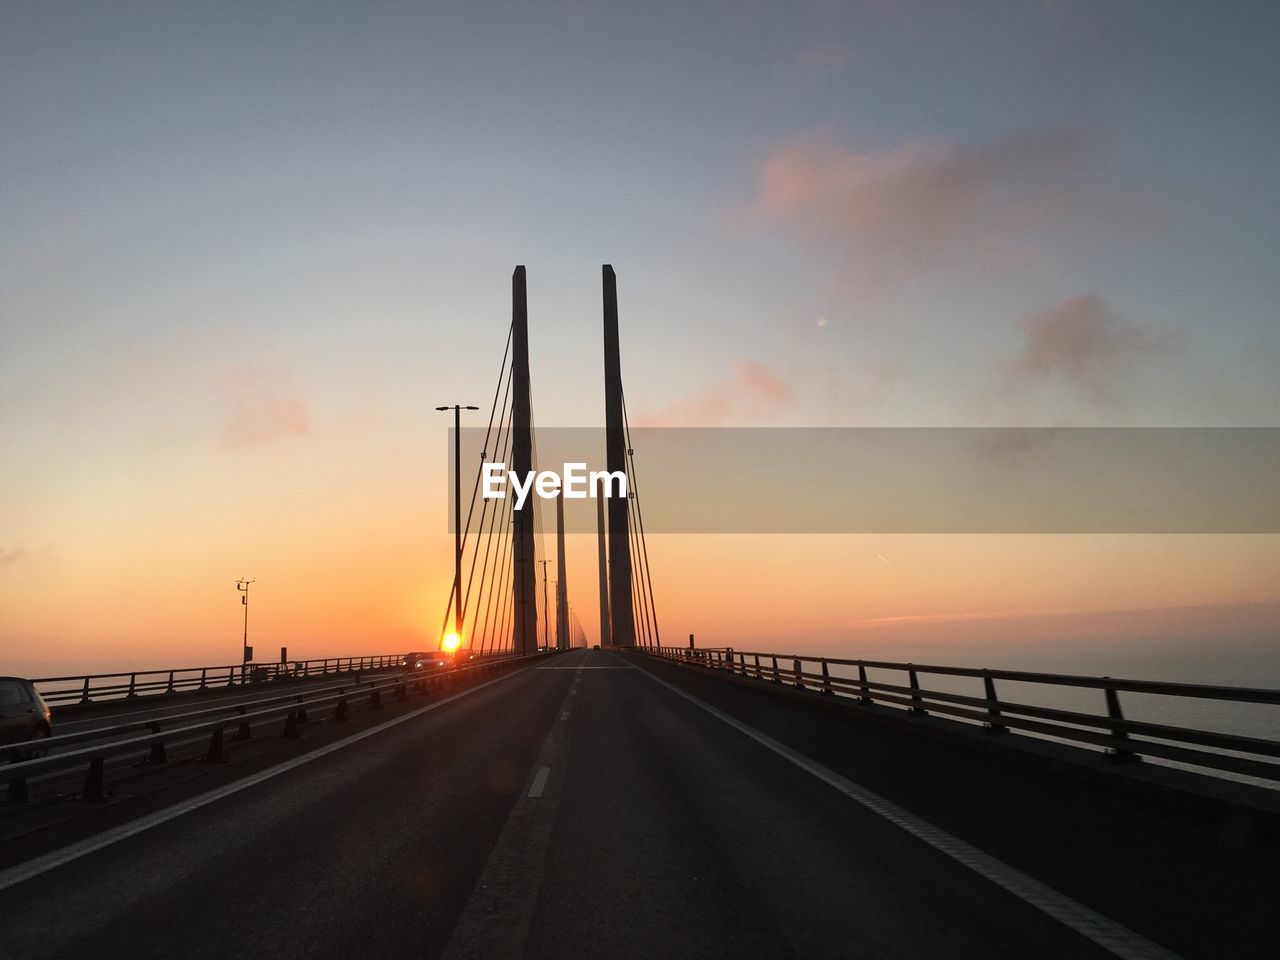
[[245, 250]]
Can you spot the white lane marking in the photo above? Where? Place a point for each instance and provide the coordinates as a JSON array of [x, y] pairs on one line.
[[495, 922], [540, 780], [1111, 936], [51, 861]]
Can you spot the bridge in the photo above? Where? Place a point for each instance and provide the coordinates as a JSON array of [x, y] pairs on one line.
[[638, 800]]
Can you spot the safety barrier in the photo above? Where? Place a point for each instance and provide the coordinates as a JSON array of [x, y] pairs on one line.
[[1122, 738], [137, 683], [47, 755]]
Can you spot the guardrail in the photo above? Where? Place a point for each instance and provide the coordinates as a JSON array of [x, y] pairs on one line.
[[1124, 739], [128, 684], [46, 756]]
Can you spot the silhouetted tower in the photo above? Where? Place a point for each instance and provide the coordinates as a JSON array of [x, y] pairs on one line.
[[562, 591], [525, 637], [622, 625], [604, 568]]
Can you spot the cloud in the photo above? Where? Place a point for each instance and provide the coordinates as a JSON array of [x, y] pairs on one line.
[[752, 390], [1012, 445], [266, 406], [924, 200], [1085, 343], [11, 558], [937, 617], [194, 387]]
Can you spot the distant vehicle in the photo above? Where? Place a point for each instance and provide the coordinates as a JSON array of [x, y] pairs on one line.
[[23, 713], [429, 661], [595, 646]]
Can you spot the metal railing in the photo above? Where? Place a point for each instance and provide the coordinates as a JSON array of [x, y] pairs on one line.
[[34, 758], [127, 684], [1123, 738]]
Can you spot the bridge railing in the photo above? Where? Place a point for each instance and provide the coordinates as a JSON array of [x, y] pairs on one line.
[[87, 688], [1111, 731], [52, 754]]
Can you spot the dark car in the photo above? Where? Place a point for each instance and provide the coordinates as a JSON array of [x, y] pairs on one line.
[[23, 713], [429, 661]]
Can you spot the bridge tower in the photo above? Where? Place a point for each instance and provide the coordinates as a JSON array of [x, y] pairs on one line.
[[622, 624], [524, 575], [604, 567]]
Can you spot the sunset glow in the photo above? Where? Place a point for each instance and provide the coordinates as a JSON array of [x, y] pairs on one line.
[[211, 368]]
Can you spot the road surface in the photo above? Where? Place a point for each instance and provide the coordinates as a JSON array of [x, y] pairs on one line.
[[578, 808]]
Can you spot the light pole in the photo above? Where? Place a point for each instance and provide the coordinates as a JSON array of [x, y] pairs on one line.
[[457, 409], [556, 584], [546, 611], [243, 586]]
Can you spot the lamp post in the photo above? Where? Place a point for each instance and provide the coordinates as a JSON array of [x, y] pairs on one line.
[[546, 610], [457, 409], [556, 584], [243, 586]]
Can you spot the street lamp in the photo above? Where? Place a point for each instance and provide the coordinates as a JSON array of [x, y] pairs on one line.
[[546, 610], [457, 409], [556, 584], [243, 586]]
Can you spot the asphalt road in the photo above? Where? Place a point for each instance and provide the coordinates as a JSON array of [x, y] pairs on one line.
[[579, 808]]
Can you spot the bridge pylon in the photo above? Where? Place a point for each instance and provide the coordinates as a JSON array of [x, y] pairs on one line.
[[602, 549], [524, 575], [621, 617]]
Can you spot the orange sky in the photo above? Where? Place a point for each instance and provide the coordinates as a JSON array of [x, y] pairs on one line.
[[232, 294], [140, 578]]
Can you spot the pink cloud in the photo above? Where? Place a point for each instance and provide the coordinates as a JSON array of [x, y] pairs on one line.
[[752, 390], [924, 199], [1083, 341], [266, 405]]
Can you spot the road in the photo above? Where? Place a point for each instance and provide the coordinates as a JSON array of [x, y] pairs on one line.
[[579, 808]]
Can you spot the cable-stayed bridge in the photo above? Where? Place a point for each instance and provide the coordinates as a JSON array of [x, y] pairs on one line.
[[495, 605], [644, 799]]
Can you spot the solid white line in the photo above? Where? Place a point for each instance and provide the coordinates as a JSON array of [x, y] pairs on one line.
[[51, 861], [539, 782], [1119, 940]]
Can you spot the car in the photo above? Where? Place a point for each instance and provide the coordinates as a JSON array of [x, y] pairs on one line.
[[429, 661], [24, 715]]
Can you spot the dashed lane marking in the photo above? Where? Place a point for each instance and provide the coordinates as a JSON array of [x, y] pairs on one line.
[[540, 781]]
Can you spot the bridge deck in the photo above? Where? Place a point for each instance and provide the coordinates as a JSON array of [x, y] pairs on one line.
[[578, 808]]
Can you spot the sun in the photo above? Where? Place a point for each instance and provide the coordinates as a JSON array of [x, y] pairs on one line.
[[450, 642]]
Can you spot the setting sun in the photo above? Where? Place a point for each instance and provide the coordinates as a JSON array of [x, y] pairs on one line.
[[450, 642]]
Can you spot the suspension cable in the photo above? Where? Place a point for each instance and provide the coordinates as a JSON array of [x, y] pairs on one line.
[[644, 545]]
